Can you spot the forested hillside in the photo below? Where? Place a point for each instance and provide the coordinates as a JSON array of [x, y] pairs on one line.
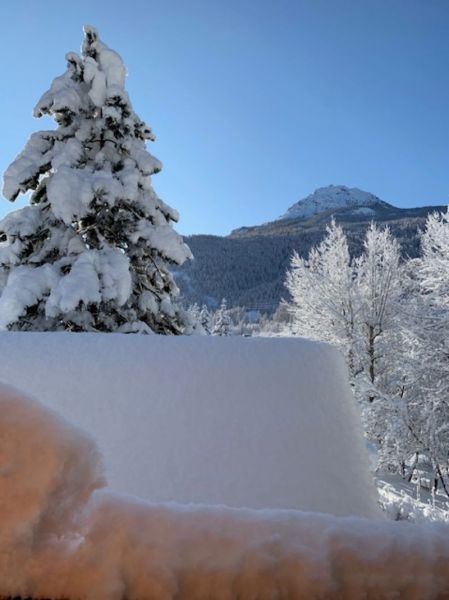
[[248, 267]]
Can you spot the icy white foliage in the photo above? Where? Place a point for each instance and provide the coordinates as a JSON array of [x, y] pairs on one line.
[[391, 321], [426, 343], [355, 304], [324, 299], [247, 422], [333, 197], [94, 218], [62, 539]]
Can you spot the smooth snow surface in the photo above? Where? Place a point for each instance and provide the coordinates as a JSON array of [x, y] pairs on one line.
[[60, 540], [256, 423], [332, 197]]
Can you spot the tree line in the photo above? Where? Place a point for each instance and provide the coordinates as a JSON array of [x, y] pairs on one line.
[[390, 319]]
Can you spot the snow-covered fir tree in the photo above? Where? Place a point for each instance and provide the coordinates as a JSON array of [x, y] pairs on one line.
[[205, 319], [193, 312], [193, 317], [91, 251], [222, 320]]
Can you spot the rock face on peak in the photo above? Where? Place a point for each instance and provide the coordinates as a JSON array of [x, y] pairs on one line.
[[334, 197]]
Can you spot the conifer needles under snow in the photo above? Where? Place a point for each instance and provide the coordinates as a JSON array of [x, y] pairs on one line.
[[91, 252]]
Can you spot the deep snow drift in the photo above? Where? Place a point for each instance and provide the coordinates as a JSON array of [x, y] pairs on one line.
[[56, 542], [255, 423]]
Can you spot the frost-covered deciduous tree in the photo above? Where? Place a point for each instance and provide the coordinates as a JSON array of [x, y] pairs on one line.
[[91, 251], [355, 305], [428, 348], [352, 304], [378, 278], [382, 382], [323, 294]]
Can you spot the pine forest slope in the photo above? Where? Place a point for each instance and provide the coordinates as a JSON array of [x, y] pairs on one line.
[[248, 266]]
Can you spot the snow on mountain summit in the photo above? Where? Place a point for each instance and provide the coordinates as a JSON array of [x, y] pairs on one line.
[[332, 196]]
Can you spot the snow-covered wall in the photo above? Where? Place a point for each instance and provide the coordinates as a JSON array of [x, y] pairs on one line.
[[258, 423], [62, 537]]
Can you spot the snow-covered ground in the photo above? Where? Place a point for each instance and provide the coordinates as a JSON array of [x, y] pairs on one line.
[[408, 500], [63, 537], [255, 423]]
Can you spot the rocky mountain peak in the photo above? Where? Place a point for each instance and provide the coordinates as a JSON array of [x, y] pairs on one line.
[[333, 197]]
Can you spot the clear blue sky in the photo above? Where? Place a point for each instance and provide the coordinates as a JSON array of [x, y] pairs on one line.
[[255, 103]]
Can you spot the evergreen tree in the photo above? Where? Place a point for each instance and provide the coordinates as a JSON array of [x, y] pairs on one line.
[[91, 251], [193, 320], [205, 319], [222, 320]]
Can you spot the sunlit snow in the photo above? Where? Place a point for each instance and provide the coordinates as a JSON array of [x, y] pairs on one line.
[[62, 537], [247, 422]]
